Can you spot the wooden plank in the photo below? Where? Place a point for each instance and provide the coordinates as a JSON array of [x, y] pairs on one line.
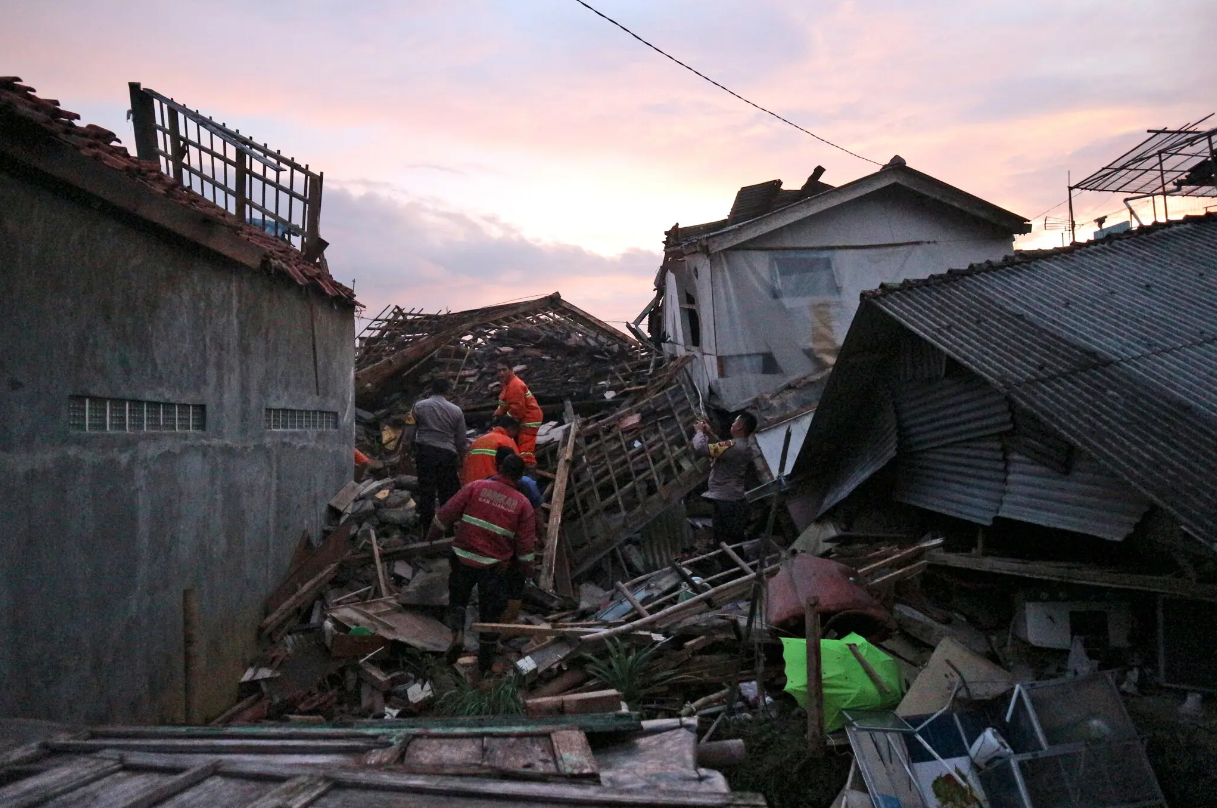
[[156, 793], [428, 548], [739, 562], [236, 709], [298, 792], [37, 750], [815, 686], [380, 568], [871, 673], [633, 601], [55, 782], [307, 593], [533, 755], [444, 751], [892, 577], [524, 630], [549, 553], [391, 621], [572, 753], [216, 746], [1076, 574], [900, 557], [345, 496], [335, 547], [386, 756]]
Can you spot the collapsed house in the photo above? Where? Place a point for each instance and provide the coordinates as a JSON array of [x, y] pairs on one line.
[[763, 299], [177, 407]]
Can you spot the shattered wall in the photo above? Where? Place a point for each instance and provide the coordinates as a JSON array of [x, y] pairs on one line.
[[104, 530]]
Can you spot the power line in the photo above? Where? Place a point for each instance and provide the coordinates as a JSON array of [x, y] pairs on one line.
[[724, 89]]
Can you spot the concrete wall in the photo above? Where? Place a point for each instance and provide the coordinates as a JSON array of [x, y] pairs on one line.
[[102, 532]]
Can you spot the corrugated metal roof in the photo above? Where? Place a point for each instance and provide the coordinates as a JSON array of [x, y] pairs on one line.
[[965, 479], [1089, 499], [949, 410], [1113, 344]]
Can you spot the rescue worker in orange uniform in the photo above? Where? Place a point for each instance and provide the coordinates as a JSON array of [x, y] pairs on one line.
[[515, 399], [480, 462], [495, 540]]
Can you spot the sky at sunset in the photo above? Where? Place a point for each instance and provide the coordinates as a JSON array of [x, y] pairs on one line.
[[479, 152]]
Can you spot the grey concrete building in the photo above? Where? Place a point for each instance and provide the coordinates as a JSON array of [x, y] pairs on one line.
[[175, 409]]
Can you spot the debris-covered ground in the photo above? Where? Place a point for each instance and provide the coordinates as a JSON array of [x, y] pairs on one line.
[[936, 683]]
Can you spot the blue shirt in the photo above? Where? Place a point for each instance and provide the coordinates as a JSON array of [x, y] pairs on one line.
[[529, 488]]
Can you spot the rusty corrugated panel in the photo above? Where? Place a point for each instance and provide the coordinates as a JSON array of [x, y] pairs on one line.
[[966, 479]]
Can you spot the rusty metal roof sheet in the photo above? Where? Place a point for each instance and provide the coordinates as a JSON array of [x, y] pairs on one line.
[[18, 102], [1112, 343]]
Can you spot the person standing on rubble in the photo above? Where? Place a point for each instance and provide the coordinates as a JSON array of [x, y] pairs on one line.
[[729, 462], [439, 444], [515, 399], [495, 539], [481, 463]]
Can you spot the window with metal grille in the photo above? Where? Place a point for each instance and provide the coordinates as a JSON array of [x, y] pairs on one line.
[[283, 419], [89, 414]]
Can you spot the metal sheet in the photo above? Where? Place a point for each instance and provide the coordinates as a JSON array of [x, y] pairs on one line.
[[1113, 344], [1089, 499], [965, 479], [876, 447], [949, 410]]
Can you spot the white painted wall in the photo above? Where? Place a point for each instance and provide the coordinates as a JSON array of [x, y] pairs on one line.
[[870, 242]]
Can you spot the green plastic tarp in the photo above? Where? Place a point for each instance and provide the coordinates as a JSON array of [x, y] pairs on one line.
[[845, 683]]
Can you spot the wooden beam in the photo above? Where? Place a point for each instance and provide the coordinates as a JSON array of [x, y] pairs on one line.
[[298, 792], [815, 687], [633, 601], [900, 557], [871, 673], [1077, 574], [156, 793], [739, 562], [52, 783], [549, 554], [900, 574], [308, 592]]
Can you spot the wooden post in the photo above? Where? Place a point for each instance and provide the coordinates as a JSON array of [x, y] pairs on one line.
[[191, 669], [815, 691], [176, 152], [240, 193], [549, 553], [143, 121], [629, 596]]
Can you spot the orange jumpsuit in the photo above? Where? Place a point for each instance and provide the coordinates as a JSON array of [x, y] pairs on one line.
[[480, 463], [515, 399]]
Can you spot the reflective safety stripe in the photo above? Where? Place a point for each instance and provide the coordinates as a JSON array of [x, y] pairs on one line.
[[528, 394], [537, 424], [493, 528], [502, 403], [527, 556], [491, 452], [485, 561]]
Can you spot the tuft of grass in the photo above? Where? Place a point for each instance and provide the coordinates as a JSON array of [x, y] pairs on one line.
[[629, 670], [465, 699]]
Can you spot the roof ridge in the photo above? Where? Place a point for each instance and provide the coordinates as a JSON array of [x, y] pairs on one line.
[[1020, 257], [98, 143]]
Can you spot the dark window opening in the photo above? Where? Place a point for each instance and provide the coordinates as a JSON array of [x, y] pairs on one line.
[[755, 364]]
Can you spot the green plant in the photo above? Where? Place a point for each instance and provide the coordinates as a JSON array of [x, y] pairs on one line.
[[465, 699], [629, 670]]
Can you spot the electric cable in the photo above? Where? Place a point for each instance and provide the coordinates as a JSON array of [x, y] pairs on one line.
[[721, 87]]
